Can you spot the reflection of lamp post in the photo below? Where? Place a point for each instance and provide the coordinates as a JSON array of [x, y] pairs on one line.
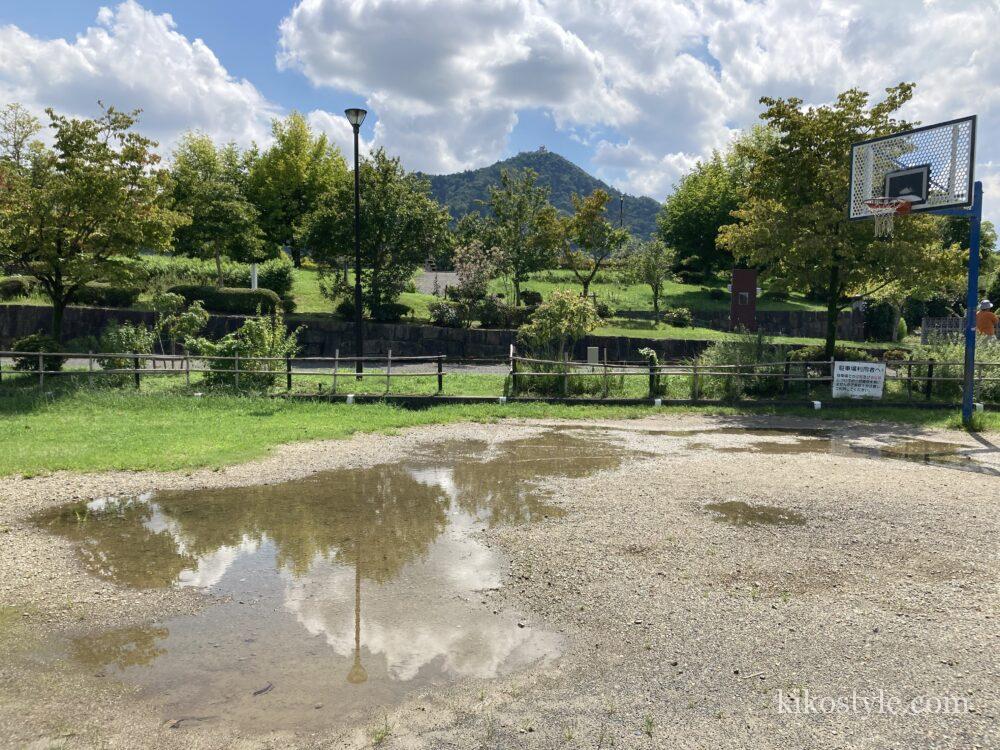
[[357, 116], [358, 674]]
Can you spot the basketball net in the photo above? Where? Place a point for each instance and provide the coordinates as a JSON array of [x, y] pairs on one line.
[[884, 211]]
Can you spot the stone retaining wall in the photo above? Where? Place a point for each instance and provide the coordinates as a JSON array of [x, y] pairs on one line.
[[812, 323]]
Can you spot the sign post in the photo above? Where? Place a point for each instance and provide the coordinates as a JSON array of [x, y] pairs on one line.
[[858, 379], [972, 302]]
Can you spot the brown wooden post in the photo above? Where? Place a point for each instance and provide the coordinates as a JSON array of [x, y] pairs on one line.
[[440, 366], [236, 368], [288, 372], [513, 372], [695, 384], [388, 371], [930, 380], [565, 377], [909, 379], [784, 381], [606, 388], [187, 368], [41, 371], [336, 367], [652, 379], [90, 369]]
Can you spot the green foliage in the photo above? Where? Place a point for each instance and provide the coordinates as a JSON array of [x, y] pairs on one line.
[[475, 266], [174, 323], [466, 193], [901, 329], [207, 185], [679, 317], [232, 301], [522, 225], [951, 350], [262, 336], [591, 240], [12, 287], [292, 179], [72, 212], [129, 338], [448, 313], [37, 342], [794, 223], [743, 351], [400, 225], [17, 129], [390, 312], [529, 297], [97, 294], [161, 272], [840, 353], [345, 309], [650, 263], [565, 317]]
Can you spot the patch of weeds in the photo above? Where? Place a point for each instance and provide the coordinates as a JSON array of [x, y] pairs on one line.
[[380, 732], [648, 725]]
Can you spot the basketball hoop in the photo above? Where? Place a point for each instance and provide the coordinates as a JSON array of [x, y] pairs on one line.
[[884, 210]]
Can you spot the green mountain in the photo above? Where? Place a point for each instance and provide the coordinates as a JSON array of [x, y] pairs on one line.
[[461, 191]]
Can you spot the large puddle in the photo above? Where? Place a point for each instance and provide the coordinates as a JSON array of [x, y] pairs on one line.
[[341, 592]]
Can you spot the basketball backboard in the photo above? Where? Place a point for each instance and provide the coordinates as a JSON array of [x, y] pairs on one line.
[[929, 167]]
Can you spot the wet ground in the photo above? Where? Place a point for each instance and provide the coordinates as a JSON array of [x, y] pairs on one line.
[[638, 584], [343, 591]]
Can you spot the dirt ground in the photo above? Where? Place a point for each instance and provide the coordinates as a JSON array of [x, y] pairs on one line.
[[869, 622]]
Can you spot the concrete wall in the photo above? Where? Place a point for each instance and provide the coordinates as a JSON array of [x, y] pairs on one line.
[[850, 323], [321, 336]]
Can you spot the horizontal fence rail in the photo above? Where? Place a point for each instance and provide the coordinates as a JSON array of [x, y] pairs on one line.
[[919, 378]]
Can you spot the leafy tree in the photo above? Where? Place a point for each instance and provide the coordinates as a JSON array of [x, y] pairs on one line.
[[794, 221], [206, 187], [590, 238], [78, 210], [562, 319], [400, 225], [523, 225], [651, 262], [290, 179], [17, 129]]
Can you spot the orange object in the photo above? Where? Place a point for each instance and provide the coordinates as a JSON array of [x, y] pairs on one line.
[[986, 322]]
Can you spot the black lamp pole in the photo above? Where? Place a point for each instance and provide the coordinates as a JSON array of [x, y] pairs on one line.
[[621, 211], [356, 117]]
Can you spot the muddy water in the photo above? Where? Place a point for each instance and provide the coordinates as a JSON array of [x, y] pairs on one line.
[[341, 592], [739, 513]]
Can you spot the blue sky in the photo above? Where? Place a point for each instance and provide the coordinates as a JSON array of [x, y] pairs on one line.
[[635, 92]]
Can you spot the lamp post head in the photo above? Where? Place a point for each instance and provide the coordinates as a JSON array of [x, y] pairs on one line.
[[355, 116]]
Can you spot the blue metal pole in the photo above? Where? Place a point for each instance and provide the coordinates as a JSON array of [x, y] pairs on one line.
[[972, 300]]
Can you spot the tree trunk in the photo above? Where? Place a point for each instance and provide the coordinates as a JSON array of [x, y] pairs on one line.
[[586, 288], [218, 266], [517, 291], [656, 303], [832, 309], [897, 313], [58, 308], [296, 256]]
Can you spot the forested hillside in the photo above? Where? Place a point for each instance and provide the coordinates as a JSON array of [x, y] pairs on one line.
[[461, 191]]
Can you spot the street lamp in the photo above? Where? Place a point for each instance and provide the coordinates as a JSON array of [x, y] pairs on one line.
[[356, 116], [621, 210]]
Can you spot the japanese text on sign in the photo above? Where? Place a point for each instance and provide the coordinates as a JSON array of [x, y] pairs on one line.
[[858, 379]]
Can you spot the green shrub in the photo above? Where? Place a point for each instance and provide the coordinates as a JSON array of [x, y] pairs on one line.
[[232, 301], [390, 312], [345, 309], [530, 297], [12, 287], [262, 336], [948, 354], [895, 355], [37, 342], [715, 293], [841, 353], [162, 272], [174, 324], [730, 356], [679, 317], [446, 313], [493, 312], [288, 304], [128, 338], [107, 295], [901, 329]]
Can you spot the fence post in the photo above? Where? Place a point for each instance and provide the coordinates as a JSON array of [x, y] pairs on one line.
[[41, 371], [784, 380], [909, 379], [336, 367], [288, 372], [440, 365], [979, 380], [652, 378], [90, 369], [930, 379], [236, 368], [513, 372], [135, 368], [695, 384], [606, 385], [187, 368], [388, 370], [565, 377]]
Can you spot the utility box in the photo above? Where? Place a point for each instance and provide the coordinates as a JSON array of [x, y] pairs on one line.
[[743, 305]]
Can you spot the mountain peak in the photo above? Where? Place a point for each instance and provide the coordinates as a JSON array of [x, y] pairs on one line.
[[461, 191]]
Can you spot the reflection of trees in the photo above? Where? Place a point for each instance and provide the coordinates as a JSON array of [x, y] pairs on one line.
[[499, 488], [115, 544], [127, 647]]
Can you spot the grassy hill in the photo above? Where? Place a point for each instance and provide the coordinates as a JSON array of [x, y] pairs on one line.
[[461, 190]]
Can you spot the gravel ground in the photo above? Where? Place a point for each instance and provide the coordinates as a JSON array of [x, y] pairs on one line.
[[681, 630]]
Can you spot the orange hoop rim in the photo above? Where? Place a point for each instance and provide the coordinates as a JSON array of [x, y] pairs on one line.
[[886, 205]]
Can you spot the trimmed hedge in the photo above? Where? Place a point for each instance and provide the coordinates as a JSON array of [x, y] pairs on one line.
[[275, 274], [106, 295], [13, 287], [37, 342], [228, 300]]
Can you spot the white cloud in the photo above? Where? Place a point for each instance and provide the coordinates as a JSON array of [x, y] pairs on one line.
[[134, 58], [672, 79]]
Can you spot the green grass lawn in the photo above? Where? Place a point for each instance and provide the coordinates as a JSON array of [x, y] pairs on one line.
[[168, 426]]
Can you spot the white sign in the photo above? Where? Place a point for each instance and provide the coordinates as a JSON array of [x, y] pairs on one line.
[[858, 379]]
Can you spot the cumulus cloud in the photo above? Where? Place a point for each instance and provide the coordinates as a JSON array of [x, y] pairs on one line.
[[134, 58], [670, 79]]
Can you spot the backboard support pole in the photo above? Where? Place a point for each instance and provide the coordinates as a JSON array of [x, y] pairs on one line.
[[972, 302]]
